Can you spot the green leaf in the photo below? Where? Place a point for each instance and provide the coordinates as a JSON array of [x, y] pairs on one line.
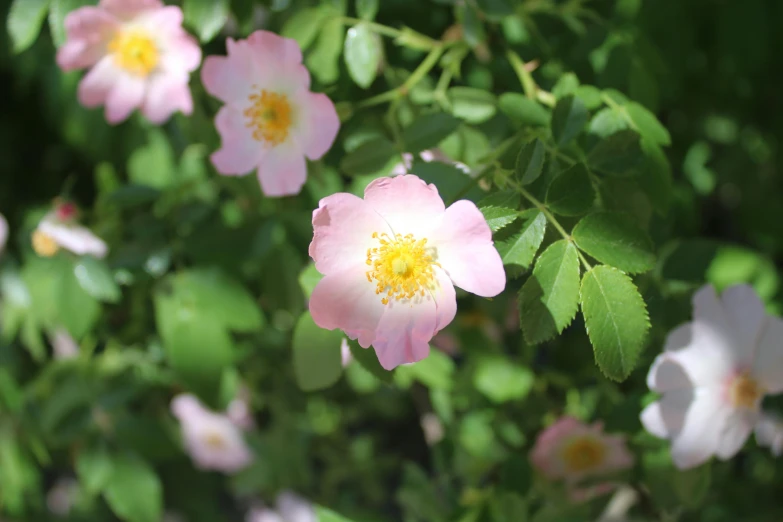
[[472, 28], [206, 17], [58, 10], [647, 124], [619, 155], [96, 279], [94, 467], [134, 492], [367, 358], [308, 278], [450, 180], [549, 298], [508, 506], [608, 121], [24, 22], [521, 248], [363, 54], [571, 193], [522, 110], [327, 515], [304, 25], [436, 372], [77, 310], [317, 355], [367, 9], [496, 9], [324, 60], [428, 131], [530, 161], [613, 238], [590, 96], [501, 380], [153, 164], [568, 119], [565, 86], [472, 105], [616, 320], [498, 217], [368, 158]]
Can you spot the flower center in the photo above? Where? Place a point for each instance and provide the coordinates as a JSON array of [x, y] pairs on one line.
[[214, 440], [583, 454], [135, 51], [401, 266], [745, 391], [269, 115], [66, 211], [44, 245]]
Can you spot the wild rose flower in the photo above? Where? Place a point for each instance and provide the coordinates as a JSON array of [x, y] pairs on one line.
[[138, 54], [769, 433], [270, 121], [713, 375], [573, 451], [289, 507], [390, 263], [213, 441], [59, 230]]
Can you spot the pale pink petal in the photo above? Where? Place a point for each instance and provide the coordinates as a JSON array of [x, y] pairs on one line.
[[704, 424], [465, 250], [445, 300], [263, 515], [407, 203], [3, 233], [127, 9], [736, 432], [768, 366], [76, 239], [185, 406], [294, 508], [343, 226], [164, 20], [618, 456], [405, 330], [318, 124], [229, 78], [126, 95], [713, 325], [285, 72], [745, 312], [282, 170], [545, 455], [166, 95], [88, 29], [183, 54], [346, 300], [240, 153], [96, 85]]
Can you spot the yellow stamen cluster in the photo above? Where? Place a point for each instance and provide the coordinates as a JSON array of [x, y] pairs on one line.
[[745, 391], [214, 440], [583, 454], [401, 267], [135, 51], [44, 245], [269, 116]]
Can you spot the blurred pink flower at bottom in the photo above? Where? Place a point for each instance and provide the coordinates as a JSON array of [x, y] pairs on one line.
[[289, 507]]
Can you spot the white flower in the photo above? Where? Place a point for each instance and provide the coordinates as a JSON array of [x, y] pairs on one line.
[[61, 498], [289, 507], [713, 375], [63, 345], [769, 432], [56, 231], [213, 441]]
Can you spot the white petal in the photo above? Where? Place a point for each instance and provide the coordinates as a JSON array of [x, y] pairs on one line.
[[702, 430], [715, 326], [294, 508], [745, 311], [737, 430], [263, 515], [769, 432], [77, 239], [666, 417], [768, 366]]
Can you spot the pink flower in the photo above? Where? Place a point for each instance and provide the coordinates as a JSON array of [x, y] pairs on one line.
[[59, 230], [213, 440], [138, 54], [713, 374], [63, 345], [290, 507], [390, 262], [270, 121], [572, 451]]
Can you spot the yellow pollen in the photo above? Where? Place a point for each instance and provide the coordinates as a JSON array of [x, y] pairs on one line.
[[583, 454], [135, 51], [269, 115], [214, 440], [745, 391], [401, 267], [44, 245]]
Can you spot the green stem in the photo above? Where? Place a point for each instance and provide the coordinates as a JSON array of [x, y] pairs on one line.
[[528, 84], [375, 27]]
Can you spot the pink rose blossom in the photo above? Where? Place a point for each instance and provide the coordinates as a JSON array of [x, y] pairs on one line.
[[270, 121], [138, 55], [572, 451], [289, 507], [390, 263], [213, 441]]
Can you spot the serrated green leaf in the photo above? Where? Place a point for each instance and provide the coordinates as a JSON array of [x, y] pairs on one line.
[[612, 238], [647, 124], [571, 193], [502, 381], [317, 355], [304, 25], [24, 22], [472, 105], [568, 119], [501, 198], [521, 248], [58, 10], [207, 17], [96, 279], [522, 110], [530, 161], [616, 320], [367, 358], [428, 131], [619, 155], [363, 53], [550, 297], [607, 121], [368, 158], [134, 492], [498, 217], [324, 59]]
